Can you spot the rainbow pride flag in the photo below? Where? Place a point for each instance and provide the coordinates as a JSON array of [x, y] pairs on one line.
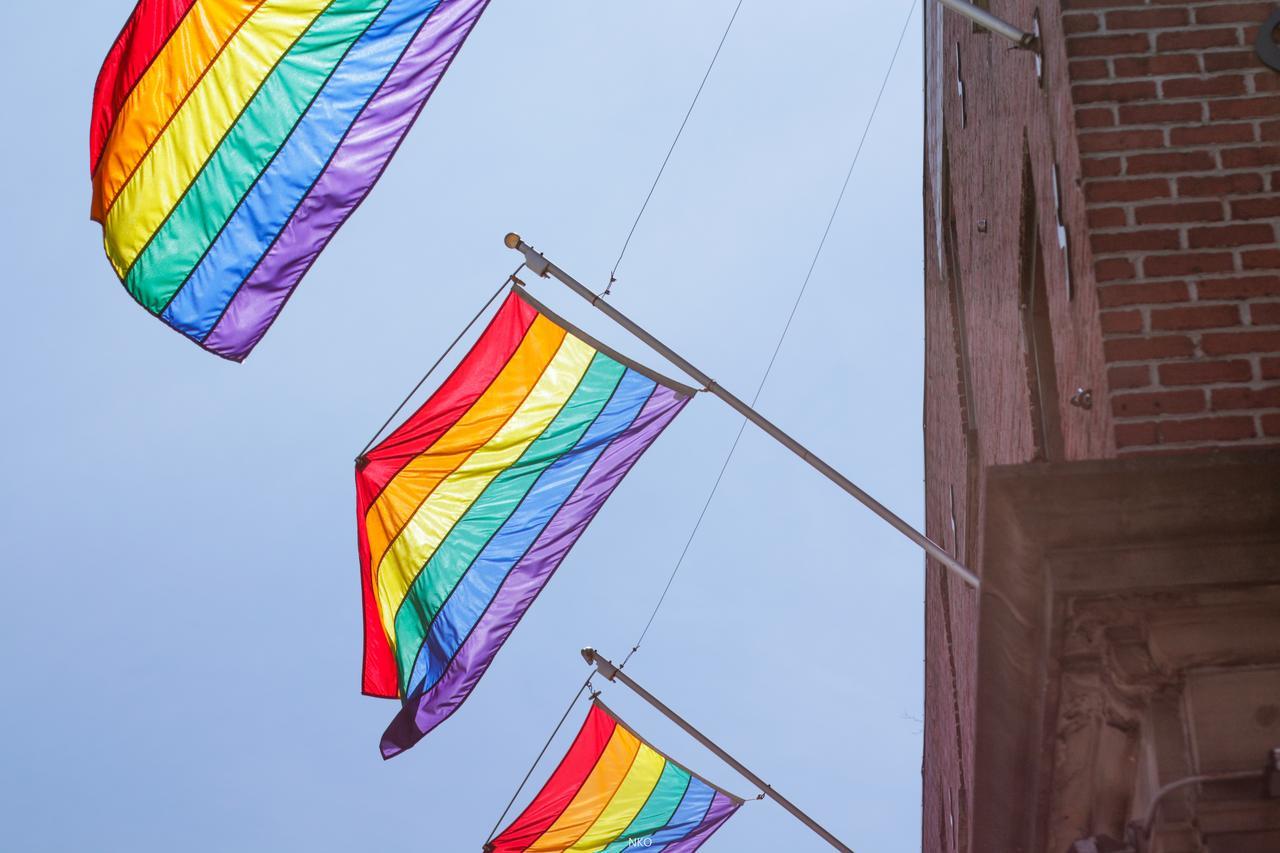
[[230, 139], [614, 792], [466, 509]]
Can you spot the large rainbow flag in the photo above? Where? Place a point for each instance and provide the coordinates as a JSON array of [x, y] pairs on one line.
[[614, 792], [466, 509], [230, 139]]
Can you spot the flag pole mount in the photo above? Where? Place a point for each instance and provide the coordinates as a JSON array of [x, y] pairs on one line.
[[543, 268], [999, 26], [607, 669]]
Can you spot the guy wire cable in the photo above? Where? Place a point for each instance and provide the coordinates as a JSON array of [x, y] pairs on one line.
[[715, 487], [741, 429], [443, 356], [614, 272], [534, 766]]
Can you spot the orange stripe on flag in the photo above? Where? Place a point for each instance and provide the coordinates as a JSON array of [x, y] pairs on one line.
[[410, 488], [156, 98]]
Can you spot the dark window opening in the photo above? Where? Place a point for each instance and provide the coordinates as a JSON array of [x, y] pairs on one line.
[[964, 372], [1038, 54], [1064, 238], [1037, 330]]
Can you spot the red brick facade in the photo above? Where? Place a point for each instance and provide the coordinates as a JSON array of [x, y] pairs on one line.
[[1178, 124], [1102, 219]]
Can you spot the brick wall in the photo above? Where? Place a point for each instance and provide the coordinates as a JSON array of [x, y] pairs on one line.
[[1158, 125], [1178, 125], [996, 136]]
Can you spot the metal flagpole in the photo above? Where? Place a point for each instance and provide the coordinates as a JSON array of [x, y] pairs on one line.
[[542, 267], [606, 668], [983, 18]]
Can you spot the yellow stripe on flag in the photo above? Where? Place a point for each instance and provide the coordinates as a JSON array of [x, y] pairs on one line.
[[594, 795], [402, 497], [157, 95], [626, 803], [436, 517], [196, 131]]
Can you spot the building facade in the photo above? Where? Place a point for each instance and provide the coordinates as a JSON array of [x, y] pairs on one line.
[[1102, 427]]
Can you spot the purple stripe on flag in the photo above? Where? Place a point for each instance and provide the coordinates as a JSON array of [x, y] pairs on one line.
[[722, 808], [422, 714], [356, 166]]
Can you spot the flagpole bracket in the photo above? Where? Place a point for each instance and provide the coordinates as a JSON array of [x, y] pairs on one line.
[[1020, 38], [609, 670], [533, 259], [540, 265], [602, 665]]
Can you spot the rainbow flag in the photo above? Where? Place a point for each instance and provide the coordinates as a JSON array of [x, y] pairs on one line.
[[466, 509], [614, 792], [230, 139]]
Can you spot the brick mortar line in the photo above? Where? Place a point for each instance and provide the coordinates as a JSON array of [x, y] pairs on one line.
[[1147, 332], [1207, 414], [1109, 33], [1182, 226], [1094, 11], [1199, 250], [1191, 26], [1189, 278], [1122, 337], [1219, 172], [1213, 49], [1115, 75], [1251, 384], [1153, 361], [1194, 4], [1142, 254], [1184, 223], [1262, 440], [1160, 202], [1181, 148], [1172, 124], [1196, 303], [1133, 206], [1152, 52], [1164, 126], [1250, 74], [1157, 389], [1189, 99], [1195, 276]]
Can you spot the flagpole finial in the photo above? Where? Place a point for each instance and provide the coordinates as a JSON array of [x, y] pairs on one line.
[[533, 259], [603, 665]]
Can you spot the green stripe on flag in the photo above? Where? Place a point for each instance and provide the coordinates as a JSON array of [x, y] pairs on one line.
[[657, 810], [433, 585], [246, 150]]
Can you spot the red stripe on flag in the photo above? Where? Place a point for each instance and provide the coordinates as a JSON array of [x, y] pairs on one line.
[[468, 381], [563, 785], [139, 42]]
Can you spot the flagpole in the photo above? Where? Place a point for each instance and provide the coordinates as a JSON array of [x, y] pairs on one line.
[[542, 267], [606, 668]]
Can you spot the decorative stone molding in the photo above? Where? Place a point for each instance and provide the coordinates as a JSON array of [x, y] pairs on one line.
[[1120, 600]]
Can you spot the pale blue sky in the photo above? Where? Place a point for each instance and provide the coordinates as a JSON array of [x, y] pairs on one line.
[[180, 623]]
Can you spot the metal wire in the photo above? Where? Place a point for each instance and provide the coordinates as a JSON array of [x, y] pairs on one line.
[[537, 760], [781, 338], [614, 272], [763, 380], [443, 356]]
